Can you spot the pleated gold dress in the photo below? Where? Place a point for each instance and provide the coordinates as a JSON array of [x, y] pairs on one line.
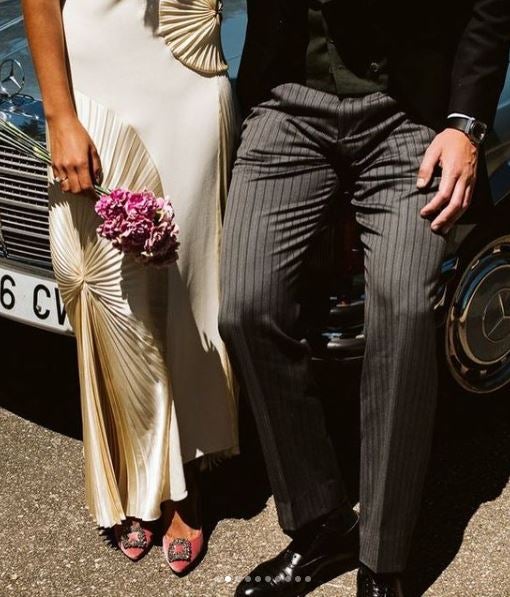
[[157, 392]]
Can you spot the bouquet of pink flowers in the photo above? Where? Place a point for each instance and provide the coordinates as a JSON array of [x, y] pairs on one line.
[[139, 224]]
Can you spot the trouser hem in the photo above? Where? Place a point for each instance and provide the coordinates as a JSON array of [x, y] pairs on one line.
[[384, 556], [308, 507]]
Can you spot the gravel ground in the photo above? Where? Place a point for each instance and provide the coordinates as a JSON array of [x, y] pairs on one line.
[[51, 548]]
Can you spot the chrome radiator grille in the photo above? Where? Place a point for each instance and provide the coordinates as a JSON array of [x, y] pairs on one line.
[[24, 208]]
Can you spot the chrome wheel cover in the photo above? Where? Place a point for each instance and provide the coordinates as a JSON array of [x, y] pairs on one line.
[[478, 322]]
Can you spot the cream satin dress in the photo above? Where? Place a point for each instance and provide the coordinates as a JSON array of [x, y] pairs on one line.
[[150, 86]]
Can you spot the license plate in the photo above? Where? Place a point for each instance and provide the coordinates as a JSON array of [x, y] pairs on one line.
[[33, 299]]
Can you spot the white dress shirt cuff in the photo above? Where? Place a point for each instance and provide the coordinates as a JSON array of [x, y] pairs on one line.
[[456, 115]]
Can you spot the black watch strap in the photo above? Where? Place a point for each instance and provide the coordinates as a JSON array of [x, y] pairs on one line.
[[474, 129], [460, 123]]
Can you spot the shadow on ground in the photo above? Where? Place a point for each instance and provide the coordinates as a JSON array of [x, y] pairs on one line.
[[470, 466], [470, 461]]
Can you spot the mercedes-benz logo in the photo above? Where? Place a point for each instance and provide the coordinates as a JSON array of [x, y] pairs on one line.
[[12, 77], [497, 316]]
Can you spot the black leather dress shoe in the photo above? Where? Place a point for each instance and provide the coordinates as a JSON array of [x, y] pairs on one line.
[[378, 585], [298, 569]]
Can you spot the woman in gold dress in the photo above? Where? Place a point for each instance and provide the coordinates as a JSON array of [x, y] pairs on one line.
[[136, 92]]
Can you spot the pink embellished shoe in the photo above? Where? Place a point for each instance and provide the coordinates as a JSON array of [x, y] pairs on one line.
[[181, 554], [133, 538]]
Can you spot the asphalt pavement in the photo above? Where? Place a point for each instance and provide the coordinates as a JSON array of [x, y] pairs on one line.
[[51, 548]]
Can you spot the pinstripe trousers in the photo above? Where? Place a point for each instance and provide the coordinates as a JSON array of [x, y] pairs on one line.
[[301, 151]]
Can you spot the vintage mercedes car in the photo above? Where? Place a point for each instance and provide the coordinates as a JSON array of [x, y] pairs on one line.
[[473, 300]]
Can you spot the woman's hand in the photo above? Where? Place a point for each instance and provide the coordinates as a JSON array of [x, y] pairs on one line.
[[76, 163], [75, 160]]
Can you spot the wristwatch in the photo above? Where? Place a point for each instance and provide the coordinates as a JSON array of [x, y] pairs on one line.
[[475, 129]]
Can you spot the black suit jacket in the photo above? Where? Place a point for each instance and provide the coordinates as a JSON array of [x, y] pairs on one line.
[[443, 56]]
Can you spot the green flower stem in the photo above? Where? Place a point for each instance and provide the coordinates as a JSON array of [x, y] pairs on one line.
[[12, 135]]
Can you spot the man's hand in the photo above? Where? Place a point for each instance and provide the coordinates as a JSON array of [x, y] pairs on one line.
[[458, 157]]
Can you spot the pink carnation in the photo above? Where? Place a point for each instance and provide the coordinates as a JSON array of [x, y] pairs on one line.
[[112, 205], [110, 227], [139, 224], [141, 205], [162, 242]]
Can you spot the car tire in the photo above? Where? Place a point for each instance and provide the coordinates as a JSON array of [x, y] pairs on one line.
[[475, 335]]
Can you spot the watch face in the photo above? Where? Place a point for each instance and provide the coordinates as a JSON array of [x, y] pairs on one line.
[[478, 131]]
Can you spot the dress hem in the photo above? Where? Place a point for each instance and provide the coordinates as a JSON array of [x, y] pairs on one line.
[[209, 461]]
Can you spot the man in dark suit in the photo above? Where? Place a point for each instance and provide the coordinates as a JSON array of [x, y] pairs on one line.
[[386, 102]]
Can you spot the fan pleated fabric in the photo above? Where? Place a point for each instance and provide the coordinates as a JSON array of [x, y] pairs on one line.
[[117, 312], [157, 389], [191, 28]]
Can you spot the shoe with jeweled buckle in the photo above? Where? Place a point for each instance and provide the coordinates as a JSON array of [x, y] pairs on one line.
[[181, 553], [134, 538]]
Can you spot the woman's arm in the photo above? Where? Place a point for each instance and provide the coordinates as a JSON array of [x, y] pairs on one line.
[[75, 159]]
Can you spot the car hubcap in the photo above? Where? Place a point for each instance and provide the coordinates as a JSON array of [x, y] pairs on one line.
[[478, 323]]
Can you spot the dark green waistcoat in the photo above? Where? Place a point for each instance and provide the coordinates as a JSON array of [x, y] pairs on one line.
[[325, 68]]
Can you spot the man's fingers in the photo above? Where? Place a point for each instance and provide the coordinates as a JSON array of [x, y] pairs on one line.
[[435, 204], [454, 210], [457, 157], [444, 194], [468, 195], [428, 165]]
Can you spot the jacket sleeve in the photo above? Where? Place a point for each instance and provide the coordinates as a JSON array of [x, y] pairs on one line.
[[482, 60]]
